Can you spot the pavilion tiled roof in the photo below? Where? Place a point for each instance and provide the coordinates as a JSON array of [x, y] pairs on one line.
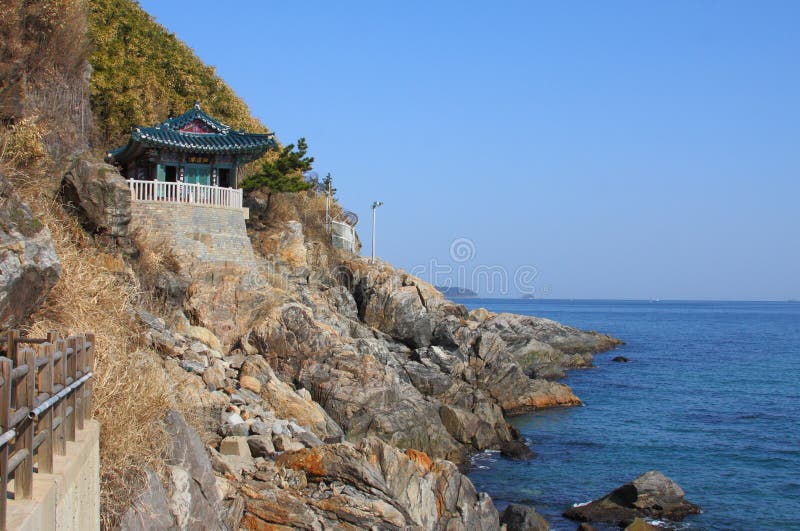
[[220, 139]]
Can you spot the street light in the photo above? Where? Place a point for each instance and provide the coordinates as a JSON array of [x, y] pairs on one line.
[[375, 206]]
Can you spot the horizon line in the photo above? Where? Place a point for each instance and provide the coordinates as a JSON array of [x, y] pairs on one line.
[[602, 299]]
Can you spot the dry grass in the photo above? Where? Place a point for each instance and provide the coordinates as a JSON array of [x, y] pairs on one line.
[[22, 145], [156, 260], [95, 294]]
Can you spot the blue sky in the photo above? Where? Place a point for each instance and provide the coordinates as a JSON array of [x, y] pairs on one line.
[[598, 149]]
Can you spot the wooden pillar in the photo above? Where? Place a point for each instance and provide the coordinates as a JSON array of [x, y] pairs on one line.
[[69, 416], [80, 364], [89, 385], [12, 337], [5, 406], [44, 456], [60, 378], [25, 391]]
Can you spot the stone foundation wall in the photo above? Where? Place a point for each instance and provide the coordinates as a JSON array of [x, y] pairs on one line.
[[205, 234]]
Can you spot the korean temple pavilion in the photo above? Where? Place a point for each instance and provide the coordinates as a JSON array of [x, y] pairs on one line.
[[192, 148]]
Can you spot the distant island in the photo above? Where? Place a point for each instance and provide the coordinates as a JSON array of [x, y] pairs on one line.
[[456, 291]]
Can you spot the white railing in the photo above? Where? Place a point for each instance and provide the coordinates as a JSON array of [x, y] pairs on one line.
[[197, 194]]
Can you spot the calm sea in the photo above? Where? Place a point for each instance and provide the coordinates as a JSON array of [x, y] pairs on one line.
[[711, 398]]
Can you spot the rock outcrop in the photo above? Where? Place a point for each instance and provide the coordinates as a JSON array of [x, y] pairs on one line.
[[518, 517], [29, 266], [191, 499], [386, 355], [371, 485], [350, 392], [651, 495], [150, 511], [193, 496], [271, 466], [99, 196]]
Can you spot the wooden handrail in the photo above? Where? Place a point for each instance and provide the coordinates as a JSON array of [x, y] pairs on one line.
[[45, 395]]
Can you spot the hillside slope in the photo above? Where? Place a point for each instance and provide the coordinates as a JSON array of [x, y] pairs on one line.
[[142, 74]]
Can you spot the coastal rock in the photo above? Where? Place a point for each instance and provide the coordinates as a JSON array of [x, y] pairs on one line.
[[29, 266], [505, 380], [291, 246], [261, 445], [214, 376], [641, 525], [394, 302], [233, 425], [461, 424], [250, 383], [150, 510], [309, 439], [203, 335], [525, 336], [480, 315], [388, 489], [259, 428], [286, 403], [377, 358], [518, 517], [193, 496], [517, 450], [234, 511], [150, 320], [620, 359], [221, 296], [651, 495], [99, 196], [444, 392], [285, 443]]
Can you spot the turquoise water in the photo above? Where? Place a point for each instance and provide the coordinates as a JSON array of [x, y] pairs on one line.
[[711, 398]]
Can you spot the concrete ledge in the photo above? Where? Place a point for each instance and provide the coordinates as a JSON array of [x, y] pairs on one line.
[[244, 210], [69, 498]]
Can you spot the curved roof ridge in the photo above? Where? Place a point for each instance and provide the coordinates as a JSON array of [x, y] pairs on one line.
[[195, 113]]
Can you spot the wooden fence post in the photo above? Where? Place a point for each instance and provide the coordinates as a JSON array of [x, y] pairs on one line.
[[69, 418], [60, 378], [12, 339], [5, 406], [80, 365], [25, 391], [44, 424], [89, 368], [52, 336]]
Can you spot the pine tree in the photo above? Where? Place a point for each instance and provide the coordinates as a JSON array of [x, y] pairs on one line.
[[284, 173], [327, 185]]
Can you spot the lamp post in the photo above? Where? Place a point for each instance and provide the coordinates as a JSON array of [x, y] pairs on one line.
[[375, 206]]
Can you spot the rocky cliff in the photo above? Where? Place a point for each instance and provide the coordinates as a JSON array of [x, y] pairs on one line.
[[29, 266], [321, 390], [301, 387], [339, 392]]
